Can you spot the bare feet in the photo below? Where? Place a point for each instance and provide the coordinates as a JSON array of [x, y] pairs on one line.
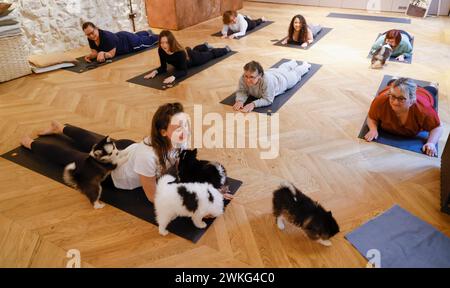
[[26, 141], [55, 128]]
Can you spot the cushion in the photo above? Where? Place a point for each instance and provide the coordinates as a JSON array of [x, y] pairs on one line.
[[41, 61]]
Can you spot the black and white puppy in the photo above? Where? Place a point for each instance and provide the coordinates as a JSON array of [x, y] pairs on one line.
[[195, 200], [291, 204], [190, 169], [103, 158], [380, 56]]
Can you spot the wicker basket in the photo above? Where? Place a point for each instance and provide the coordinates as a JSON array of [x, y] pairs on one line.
[[13, 58]]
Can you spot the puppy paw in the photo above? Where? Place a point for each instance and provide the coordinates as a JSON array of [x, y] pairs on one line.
[[200, 225], [325, 242], [98, 205], [163, 232], [280, 223]]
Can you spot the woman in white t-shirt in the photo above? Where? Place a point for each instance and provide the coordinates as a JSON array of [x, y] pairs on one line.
[[236, 25], [147, 160]]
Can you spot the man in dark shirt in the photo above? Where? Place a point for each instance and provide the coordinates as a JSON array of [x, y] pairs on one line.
[[105, 45]]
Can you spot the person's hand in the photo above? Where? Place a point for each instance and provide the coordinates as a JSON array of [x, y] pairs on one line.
[[151, 74], [238, 105], [232, 36], [228, 196], [248, 108], [429, 149], [304, 45], [284, 42], [169, 80], [401, 58], [101, 57], [371, 135], [224, 36], [87, 59]]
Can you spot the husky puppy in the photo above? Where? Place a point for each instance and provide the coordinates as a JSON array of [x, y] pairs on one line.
[[190, 169], [291, 204], [103, 158], [195, 200], [380, 56]]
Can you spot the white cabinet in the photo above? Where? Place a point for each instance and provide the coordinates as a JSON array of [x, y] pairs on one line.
[[355, 4], [309, 2], [330, 3], [400, 5]]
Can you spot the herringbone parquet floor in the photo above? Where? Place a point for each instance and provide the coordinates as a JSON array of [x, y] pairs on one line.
[[40, 220]]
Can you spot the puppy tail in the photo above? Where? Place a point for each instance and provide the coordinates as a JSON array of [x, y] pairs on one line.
[[68, 174]]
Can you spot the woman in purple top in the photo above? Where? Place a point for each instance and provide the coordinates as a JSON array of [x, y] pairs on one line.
[[105, 45]]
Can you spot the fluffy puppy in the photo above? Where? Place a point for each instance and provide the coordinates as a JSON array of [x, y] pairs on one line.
[[195, 200], [380, 56], [190, 169], [103, 158], [291, 204]]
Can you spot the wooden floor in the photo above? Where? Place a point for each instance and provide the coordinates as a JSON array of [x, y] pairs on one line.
[[40, 219]]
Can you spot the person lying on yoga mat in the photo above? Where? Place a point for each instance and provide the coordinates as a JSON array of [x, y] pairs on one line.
[[300, 33], [171, 52], [400, 41], [405, 109], [266, 85], [105, 45], [155, 155], [236, 25]]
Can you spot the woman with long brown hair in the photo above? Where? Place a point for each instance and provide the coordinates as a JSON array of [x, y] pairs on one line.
[[300, 33], [154, 156], [171, 52]]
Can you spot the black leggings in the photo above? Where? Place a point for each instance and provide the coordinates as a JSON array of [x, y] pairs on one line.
[[83, 141], [201, 54], [252, 23]]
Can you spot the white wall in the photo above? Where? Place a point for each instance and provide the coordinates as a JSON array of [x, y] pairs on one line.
[[384, 5], [55, 25]]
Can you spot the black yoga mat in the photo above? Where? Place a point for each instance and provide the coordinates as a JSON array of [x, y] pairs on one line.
[[370, 18], [262, 25], [157, 82], [133, 202], [392, 59], [320, 35], [83, 66], [411, 144], [281, 99]]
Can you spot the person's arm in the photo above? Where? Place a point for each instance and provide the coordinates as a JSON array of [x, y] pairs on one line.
[[241, 93], [405, 47], [163, 62], [267, 96], [149, 186], [225, 30], [310, 36], [373, 129], [243, 25], [378, 44], [92, 55], [102, 55], [181, 65]]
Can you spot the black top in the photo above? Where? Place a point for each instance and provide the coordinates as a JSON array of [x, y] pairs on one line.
[[110, 40], [177, 60]]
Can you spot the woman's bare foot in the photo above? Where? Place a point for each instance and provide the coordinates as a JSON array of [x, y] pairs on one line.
[[55, 128], [26, 141]]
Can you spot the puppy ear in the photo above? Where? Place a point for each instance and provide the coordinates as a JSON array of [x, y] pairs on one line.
[[329, 213], [98, 153], [195, 152]]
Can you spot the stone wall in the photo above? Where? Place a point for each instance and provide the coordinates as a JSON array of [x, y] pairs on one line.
[[55, 25]]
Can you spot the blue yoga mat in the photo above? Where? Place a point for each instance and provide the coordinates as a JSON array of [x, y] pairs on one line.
[[411, 144], [370, 18], [402, 240]]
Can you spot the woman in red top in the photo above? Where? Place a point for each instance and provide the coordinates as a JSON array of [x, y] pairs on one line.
[[405, 109]]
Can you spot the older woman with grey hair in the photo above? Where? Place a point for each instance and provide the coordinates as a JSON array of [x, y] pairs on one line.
[[405, 109]]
